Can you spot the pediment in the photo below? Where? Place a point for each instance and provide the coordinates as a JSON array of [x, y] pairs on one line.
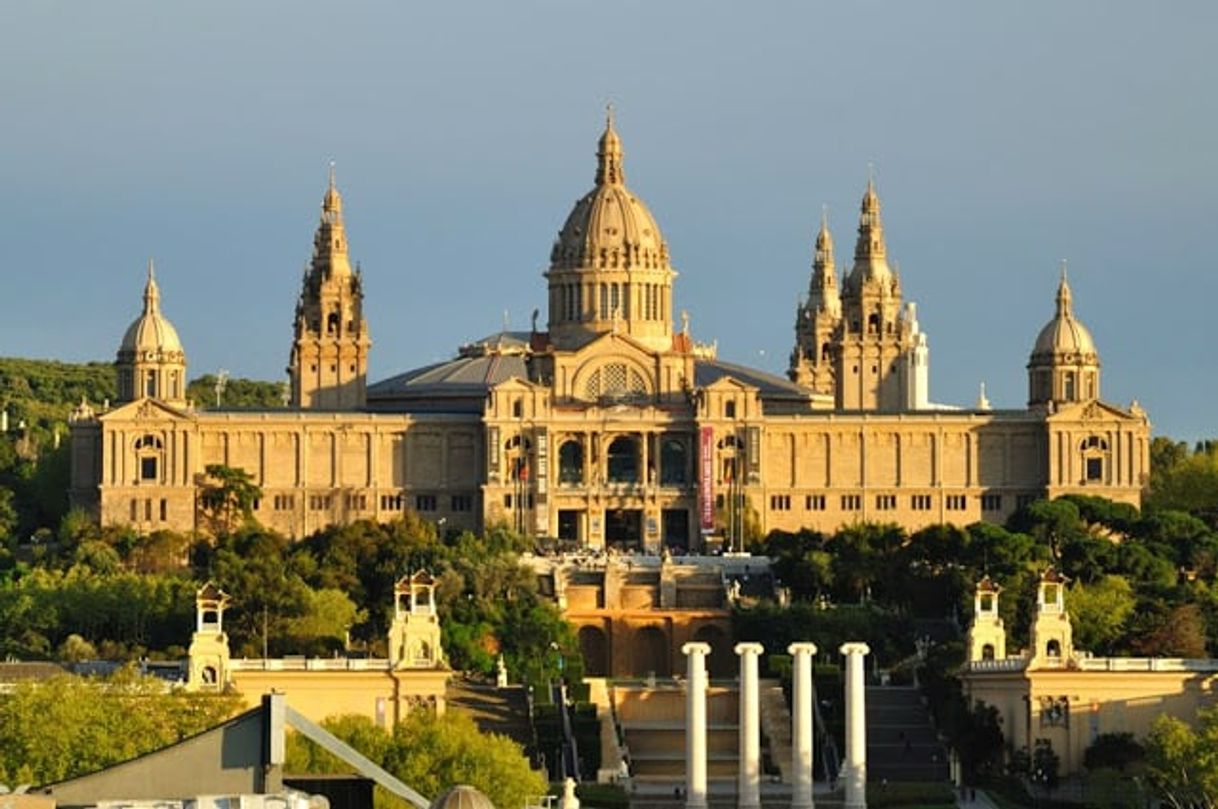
[[147, 410], [731, 384], [1093, 411], [612, 345]]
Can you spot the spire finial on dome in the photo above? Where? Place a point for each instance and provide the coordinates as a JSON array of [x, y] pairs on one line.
[[609, 154], [152, 294], [1064, 296]]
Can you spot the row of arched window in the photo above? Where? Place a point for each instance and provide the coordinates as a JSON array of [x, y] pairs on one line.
[[604, 301]]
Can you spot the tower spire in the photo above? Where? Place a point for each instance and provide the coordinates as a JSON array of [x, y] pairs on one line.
[[870, 242], [823, 293], [609, 154], [152, 293], [1065, 299]]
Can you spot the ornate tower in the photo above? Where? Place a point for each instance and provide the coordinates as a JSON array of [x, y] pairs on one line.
[[151, 362], [208, 654], [1052, 637], [873, 337], [1064, 366], [987, 638], [816, 321], [609, 268], [414, 635], [329, 364]]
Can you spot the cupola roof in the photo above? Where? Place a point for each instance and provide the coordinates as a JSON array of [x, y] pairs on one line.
[[610, 228], [1064, 335], [151, 331]]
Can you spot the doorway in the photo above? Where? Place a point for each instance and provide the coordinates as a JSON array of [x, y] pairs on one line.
[[624, 528]]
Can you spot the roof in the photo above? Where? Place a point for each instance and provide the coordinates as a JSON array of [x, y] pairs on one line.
[[466, 377], [708, 372]]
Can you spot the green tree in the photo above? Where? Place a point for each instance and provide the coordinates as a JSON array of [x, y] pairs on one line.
[[1117, 751], [1176, 632], [8, 513], [1182, 762], [227, 493], [431, 754], [1099, 612], [68, 726]]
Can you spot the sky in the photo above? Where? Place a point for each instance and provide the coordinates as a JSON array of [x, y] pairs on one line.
[[1004, 138]]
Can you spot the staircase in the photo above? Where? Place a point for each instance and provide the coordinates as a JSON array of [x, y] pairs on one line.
[[652, 722], [495, 710], [902, 745]]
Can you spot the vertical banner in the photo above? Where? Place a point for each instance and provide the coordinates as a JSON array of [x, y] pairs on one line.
[[706, 480]]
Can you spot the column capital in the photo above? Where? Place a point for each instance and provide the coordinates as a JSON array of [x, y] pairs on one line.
[[749, 648], [855, 648], [802, 648], [696, 648]]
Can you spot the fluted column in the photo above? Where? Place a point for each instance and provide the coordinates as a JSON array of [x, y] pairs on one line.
[[695, 725], [748, 790], [856, 726], [801, 735]]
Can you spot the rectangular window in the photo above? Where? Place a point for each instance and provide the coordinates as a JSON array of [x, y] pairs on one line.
[[462, 502], [357, 502], [885, 502], [320, 502], [920, 502], [814, 502], [1095, 469], [148, 509], [956, 502], [852, 502], [425, 502], [148, 468], [135, 514], [284, 502], [391, 502], [164, 510], [991, 502], [780, 502]]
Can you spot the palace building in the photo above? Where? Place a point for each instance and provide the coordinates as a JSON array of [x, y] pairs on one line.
[[609, 425]]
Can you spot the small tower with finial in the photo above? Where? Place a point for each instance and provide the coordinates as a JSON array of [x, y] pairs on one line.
[[414, 635], [987, 637], [1052, 637], [208, 655]]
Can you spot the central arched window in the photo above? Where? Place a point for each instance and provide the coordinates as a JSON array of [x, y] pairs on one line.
[[674, 461], [615, 382], [623, 457], [571, 463], [987, 652]]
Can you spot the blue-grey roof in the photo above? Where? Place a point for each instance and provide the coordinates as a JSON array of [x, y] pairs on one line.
[[772, 386], [459, 384]]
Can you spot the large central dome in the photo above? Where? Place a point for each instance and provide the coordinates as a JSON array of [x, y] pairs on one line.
[[609, 267], [610, 227]]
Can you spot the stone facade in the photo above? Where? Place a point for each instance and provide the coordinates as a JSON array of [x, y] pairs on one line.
[[1052, 694], [613, 427]]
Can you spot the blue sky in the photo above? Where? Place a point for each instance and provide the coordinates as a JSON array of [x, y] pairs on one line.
[[1005, 137]]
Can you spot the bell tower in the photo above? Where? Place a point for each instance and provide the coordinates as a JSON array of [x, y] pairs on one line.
[[871, 369], [329, 363], [208, 655], [812, 360], [987, 637], [1052, 637], [414, 635]]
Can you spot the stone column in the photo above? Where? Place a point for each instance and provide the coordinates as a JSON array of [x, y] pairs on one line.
[[695, 725], [801, 732], [856, 726], [748, 790]]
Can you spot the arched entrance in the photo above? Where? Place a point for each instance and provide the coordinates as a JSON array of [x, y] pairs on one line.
[[595, 650], [719, 664], [623, 460], [650, 653]]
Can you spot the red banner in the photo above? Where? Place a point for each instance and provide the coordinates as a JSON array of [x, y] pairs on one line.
[[706, 488]]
